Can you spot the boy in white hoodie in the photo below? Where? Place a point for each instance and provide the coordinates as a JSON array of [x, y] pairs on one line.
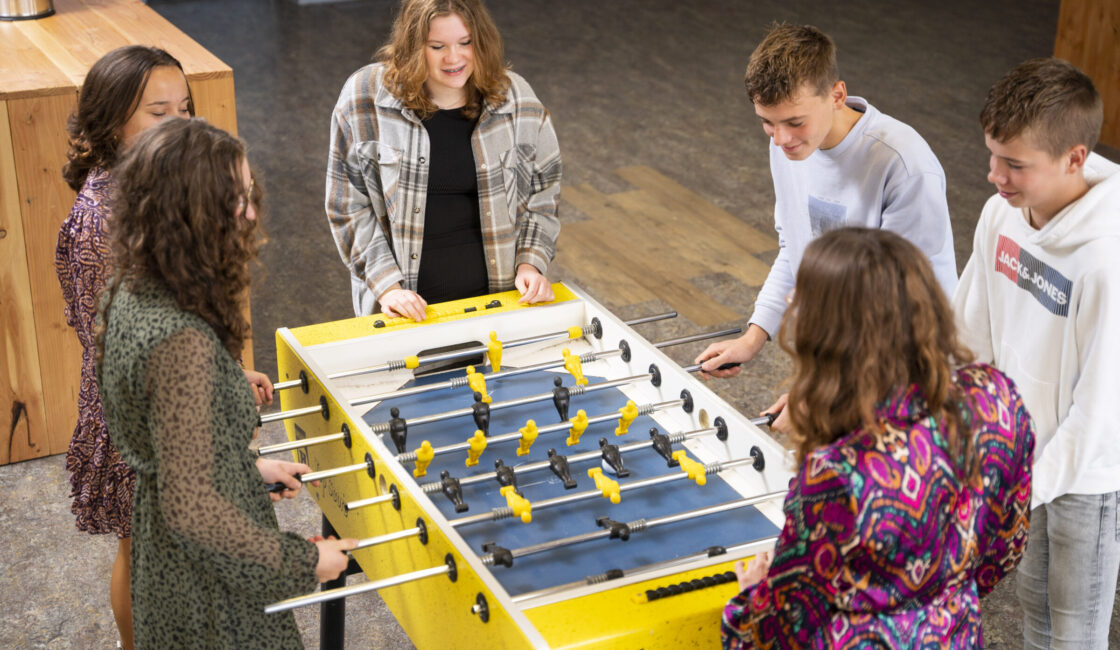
[[1040, 300]]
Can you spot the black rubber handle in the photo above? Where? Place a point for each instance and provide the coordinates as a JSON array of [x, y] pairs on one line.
[[277, 486]]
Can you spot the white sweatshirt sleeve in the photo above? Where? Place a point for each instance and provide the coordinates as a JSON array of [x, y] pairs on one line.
[[770, 305]]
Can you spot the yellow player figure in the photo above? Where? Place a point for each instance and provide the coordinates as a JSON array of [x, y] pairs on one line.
[[694, 469], [573, 365], [424, 456], [528, 437], [629, 414], [579, 425], [608, 487], [477, 382], [494, 351], [517, 503], [478, 445]]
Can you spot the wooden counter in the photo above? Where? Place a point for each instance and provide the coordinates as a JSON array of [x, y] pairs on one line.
[[44, 64]]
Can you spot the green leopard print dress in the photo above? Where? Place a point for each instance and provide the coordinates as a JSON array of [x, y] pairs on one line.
[[207, 555]]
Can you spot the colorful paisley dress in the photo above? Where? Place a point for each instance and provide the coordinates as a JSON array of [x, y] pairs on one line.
[[100, 482], [883, 546]]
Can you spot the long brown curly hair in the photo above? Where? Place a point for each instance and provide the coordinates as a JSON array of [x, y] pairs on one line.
[[109, 96], [868, 319], [406, 69], [178, 221]]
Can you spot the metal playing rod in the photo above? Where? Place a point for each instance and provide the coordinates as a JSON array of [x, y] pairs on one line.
[[505, 512], [390, 537], [588, 357], [703, 336], [574, 458], [637, 526], [649, 319], [351, 590], [496, 406], [462, 381], [293, 413], [459, 382], [399, 364], [334, 471], [644, 409], [297, 444], [372, 501]]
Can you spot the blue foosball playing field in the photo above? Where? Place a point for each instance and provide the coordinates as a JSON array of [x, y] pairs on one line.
[[576, 562]]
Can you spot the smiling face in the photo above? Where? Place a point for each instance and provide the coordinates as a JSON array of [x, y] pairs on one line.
[[449, 54], [1028, 177], [165, 95], [802, 124]]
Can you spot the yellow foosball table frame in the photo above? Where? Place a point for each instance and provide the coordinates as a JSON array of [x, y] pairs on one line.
[[446, 592]]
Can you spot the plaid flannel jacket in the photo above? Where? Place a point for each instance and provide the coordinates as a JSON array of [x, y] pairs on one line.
[[377, 180]]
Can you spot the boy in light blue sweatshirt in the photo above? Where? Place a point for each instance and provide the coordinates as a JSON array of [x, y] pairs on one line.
[[836, 161]]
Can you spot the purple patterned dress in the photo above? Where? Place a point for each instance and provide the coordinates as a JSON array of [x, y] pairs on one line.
[[100, 482], [882, 545]]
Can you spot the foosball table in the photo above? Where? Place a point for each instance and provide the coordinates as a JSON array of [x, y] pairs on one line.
[[527, 476]]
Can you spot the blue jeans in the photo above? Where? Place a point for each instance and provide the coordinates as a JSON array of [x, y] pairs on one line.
[[1067, 578]]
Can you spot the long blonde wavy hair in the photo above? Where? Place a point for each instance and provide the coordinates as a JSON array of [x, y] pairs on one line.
[[407, 69]]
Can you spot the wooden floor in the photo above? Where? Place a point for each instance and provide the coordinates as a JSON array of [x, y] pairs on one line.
[[655, 231]]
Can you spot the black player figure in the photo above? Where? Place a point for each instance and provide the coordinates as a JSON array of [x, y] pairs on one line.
[[505, 475], [613, 456], [398, 429], [619, 530], [481, 414], [558, 463], [453, 490], [561, 397], [663, 446]]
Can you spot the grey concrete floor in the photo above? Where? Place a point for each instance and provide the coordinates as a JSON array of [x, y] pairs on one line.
[[629, 82]]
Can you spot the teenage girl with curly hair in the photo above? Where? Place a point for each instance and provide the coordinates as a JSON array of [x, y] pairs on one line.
[[912, 499], [207, 555]]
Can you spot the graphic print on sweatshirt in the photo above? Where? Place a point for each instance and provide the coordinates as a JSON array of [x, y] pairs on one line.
[[825, 215], [1049, 287]]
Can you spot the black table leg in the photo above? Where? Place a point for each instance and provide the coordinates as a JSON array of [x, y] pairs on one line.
[[332, 614]]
